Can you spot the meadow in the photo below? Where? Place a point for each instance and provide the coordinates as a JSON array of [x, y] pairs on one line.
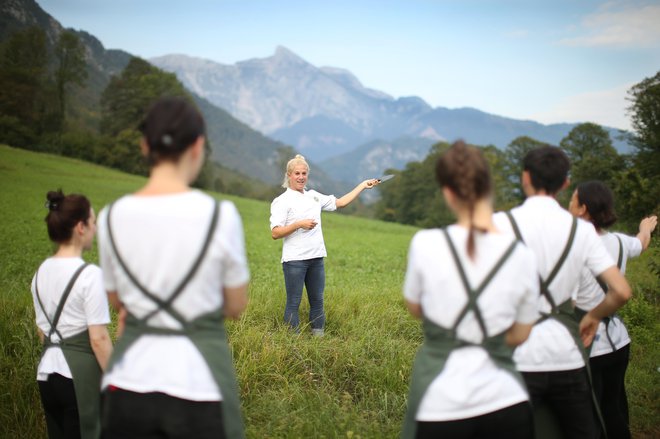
[[352, 383]]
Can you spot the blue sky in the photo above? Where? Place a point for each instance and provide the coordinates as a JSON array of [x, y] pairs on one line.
[[544, 60]]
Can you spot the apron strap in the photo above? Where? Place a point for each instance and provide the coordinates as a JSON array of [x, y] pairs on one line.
[[604, 287], [166, 305], [60, 306], [473, 294], [544, 284]]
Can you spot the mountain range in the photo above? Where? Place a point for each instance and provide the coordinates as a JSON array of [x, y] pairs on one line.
[[233, 144], [328, 115], [256, 109]]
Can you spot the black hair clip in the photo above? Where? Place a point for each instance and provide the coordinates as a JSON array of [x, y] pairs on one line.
[[50, 205]]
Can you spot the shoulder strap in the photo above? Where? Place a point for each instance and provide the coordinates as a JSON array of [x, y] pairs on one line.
[[546, 283], [514, 226], [473, 294], [60, 306], [166, 304], [619, 261]]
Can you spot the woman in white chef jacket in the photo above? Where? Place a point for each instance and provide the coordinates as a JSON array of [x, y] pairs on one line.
[[296, 216]]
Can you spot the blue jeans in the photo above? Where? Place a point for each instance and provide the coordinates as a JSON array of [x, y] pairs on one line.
[[311, 274]]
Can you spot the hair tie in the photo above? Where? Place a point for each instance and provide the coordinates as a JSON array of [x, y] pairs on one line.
[[166, 140], [50, 205]]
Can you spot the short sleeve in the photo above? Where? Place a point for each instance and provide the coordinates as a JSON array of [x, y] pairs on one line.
[[95, 300], [598, 258], [105, 253], [412, 285], [235, 266], [632, 244], [278, 212], [328, 202], [528, 307]]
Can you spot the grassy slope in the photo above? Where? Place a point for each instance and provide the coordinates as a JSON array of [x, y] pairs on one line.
[[351, 383]]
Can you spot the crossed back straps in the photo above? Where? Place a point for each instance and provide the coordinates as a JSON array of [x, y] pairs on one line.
[[545, 283], [166, 305], [474, 293], [60, 306]]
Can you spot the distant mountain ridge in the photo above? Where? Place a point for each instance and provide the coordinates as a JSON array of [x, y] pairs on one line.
[[328, 114]]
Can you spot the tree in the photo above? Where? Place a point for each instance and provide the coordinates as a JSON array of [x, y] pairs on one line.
[[645, 118], [23, 67], [592, 155], [124, 103], [71, 68]]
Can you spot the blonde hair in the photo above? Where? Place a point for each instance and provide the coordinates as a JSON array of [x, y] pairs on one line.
[[297, 160]]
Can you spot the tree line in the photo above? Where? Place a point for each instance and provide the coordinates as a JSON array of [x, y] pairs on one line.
[[413, 197]]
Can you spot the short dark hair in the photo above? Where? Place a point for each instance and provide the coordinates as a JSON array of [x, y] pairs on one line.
[[599, 201], [548, 168], [171, 125], [64, 212]]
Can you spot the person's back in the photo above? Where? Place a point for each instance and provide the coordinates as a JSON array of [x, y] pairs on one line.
[[72, 312], [159, 239], [174, 265]]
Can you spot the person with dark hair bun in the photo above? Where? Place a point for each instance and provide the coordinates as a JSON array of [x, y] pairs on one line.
[[593, 201], [72, 314], [476, 291], [174, 265], [553, 360]]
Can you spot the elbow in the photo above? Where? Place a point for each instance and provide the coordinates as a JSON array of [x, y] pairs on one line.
[[234, 311], [518, 334], [99, 340]]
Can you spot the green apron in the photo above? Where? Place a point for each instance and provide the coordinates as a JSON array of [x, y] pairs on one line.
[[546, 425], [206, 332], [440, 342], [84, 367]]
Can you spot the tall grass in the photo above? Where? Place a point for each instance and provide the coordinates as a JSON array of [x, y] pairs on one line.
[[351, 383]]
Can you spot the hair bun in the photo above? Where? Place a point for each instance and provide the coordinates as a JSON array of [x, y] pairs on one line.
[[53, 199], [299, 156]]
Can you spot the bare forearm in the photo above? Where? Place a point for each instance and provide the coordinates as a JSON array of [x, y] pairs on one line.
[[284, 231], [352, 195], [517, 334], [349, 197], [646, 227], [235, 301], [101, 344], [618, 293]]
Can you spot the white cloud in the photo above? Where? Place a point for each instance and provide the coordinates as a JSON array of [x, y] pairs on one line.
[[620, 25], [604, 107]]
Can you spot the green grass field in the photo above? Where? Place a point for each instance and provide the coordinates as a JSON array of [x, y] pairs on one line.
[[351, 383]]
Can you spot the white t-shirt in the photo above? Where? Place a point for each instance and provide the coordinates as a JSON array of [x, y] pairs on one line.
[[545, 228], [159, 238], [593, 294], [293, 206], [471, 384], [86, 305]]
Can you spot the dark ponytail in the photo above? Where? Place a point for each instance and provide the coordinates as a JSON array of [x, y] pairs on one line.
[[64, 212], [171, 125], [464, 170]]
